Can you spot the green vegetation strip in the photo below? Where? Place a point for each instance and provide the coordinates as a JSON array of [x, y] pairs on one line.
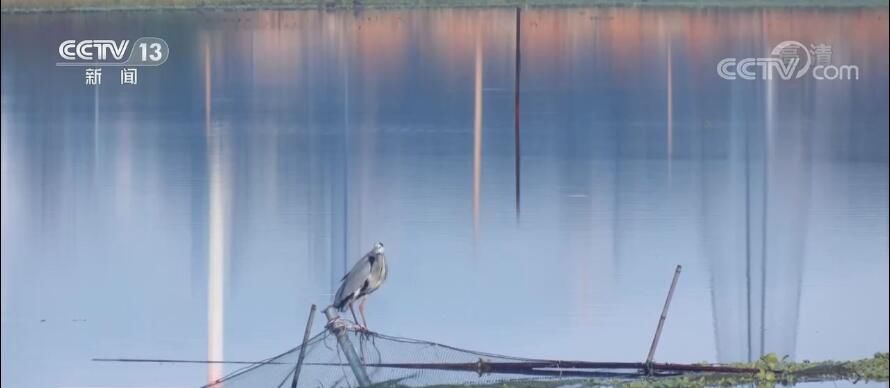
[[771, 372]]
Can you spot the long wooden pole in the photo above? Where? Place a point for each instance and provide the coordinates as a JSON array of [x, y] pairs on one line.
[[361, 376], [491, 367], [306, 334], [664, 311], [516, 145]]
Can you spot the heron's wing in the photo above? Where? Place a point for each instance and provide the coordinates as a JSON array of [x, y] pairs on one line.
[[354, 279]]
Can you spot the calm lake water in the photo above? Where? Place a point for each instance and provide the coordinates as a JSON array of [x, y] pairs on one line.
[[198, 214]]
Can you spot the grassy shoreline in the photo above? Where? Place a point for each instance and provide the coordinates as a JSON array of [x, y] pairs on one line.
[[19, 6]]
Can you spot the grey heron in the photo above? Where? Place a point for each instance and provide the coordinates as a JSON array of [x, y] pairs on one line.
[[365, 277]]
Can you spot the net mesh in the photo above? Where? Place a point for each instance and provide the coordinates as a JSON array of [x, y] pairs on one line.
[[402, 362]]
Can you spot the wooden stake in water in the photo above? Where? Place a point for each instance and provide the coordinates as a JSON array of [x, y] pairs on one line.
[[664, 311], [517, 149], [306, 334]]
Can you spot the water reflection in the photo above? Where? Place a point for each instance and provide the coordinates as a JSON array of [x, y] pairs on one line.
[[477, 136], [218, 180], [199, 214]]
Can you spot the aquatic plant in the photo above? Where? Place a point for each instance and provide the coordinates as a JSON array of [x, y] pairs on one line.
[[772, 371]]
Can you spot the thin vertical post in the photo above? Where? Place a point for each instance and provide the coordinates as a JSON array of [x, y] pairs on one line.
[[346, 345], [667, 304], [306, 334], [516, 145]]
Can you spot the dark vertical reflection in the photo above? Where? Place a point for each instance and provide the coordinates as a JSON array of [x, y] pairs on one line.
[[344, 190], [477, 134], [670, 105], [518, 74]]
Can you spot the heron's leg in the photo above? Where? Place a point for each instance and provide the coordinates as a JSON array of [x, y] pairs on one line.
[[361, 310], [354, 319]]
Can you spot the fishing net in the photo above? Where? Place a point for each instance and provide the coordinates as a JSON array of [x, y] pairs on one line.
[[387, 361], [402, 362]]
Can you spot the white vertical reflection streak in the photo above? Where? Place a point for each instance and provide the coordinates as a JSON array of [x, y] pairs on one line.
[[95, 132], [8, 199], [216, 233], [767, 156], [477, 136]]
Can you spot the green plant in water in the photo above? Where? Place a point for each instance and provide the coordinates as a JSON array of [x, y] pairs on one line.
[[772, 371]]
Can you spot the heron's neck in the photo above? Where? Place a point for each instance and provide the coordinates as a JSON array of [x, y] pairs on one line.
[[382, 259]]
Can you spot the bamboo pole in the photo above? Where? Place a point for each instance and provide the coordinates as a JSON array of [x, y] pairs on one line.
[[516, 146], [306, 333], [562, 368], [664, 311], [346, 345]]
